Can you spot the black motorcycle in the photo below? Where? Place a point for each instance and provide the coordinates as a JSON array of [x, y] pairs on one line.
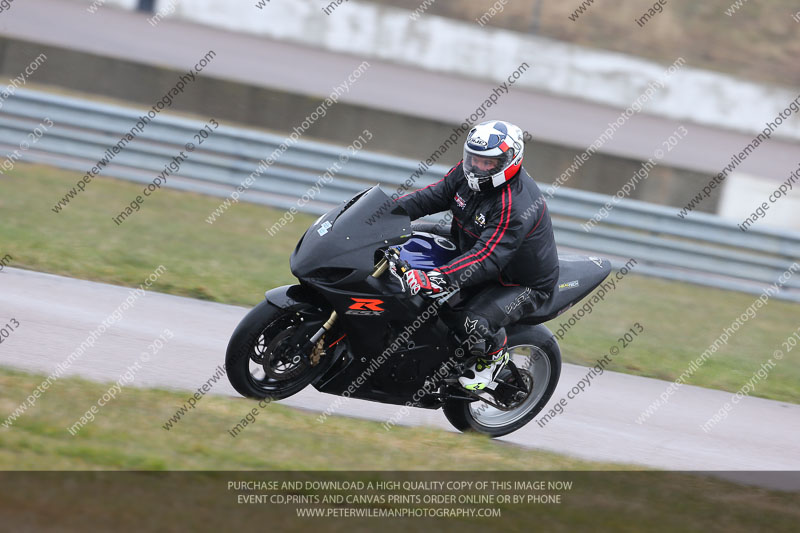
[[349, 329]]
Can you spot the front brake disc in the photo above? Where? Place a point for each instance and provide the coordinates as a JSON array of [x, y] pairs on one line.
[[279, 361]]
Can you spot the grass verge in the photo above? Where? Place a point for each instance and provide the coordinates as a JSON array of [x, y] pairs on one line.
[[284, 439], [133, 436]]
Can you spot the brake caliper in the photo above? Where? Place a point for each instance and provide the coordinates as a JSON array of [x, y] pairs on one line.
[[318, 351]]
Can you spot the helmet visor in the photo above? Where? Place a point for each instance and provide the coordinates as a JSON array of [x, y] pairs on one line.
[[481, 166]]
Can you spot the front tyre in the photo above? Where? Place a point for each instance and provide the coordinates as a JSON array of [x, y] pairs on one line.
[[263, 359], [538, 359]]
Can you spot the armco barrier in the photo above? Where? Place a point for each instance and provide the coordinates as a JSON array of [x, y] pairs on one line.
[[702, 248]]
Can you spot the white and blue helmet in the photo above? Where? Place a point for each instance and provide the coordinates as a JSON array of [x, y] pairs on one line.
[[492, 154]]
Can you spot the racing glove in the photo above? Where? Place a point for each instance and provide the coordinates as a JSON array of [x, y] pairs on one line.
[[432, 284]]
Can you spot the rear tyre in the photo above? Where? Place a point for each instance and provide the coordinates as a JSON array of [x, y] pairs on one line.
[[538, 359], [263, 360]]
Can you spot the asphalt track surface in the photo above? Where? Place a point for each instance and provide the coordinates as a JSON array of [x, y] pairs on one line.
[[57, 313], [385, 85]]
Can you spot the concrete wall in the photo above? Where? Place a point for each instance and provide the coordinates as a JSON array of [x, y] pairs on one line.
[[125, 4], [279, 112], [464, 48], [744, 194]]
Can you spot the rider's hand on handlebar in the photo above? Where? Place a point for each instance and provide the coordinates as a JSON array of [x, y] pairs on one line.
[[432, 284]]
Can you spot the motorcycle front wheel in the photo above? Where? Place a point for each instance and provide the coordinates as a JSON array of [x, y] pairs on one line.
[[263, 358]]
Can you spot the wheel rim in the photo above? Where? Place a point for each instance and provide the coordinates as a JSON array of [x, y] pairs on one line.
[[530, 360], [270, 366]]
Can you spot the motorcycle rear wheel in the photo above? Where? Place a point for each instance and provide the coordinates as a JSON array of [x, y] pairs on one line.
[[539, 363]]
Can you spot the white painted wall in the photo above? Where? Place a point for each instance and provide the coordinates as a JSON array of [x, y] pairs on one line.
[[464, 48], [743, 193], [126, 4]]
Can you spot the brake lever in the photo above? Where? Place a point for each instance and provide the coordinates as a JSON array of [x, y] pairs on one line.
[[393, 257]]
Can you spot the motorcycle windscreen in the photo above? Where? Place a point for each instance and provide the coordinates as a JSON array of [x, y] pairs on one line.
[[343, 241]]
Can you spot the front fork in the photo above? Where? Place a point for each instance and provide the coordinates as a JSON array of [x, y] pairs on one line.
[[380, 268]]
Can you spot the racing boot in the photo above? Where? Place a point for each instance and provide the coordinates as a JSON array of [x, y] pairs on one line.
[[485, 370]]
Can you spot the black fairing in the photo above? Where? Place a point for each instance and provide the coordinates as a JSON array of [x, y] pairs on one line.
[[292, 297], [340, 246], [578, 276]]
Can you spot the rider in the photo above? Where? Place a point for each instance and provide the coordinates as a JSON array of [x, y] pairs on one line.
[[501, 225]]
